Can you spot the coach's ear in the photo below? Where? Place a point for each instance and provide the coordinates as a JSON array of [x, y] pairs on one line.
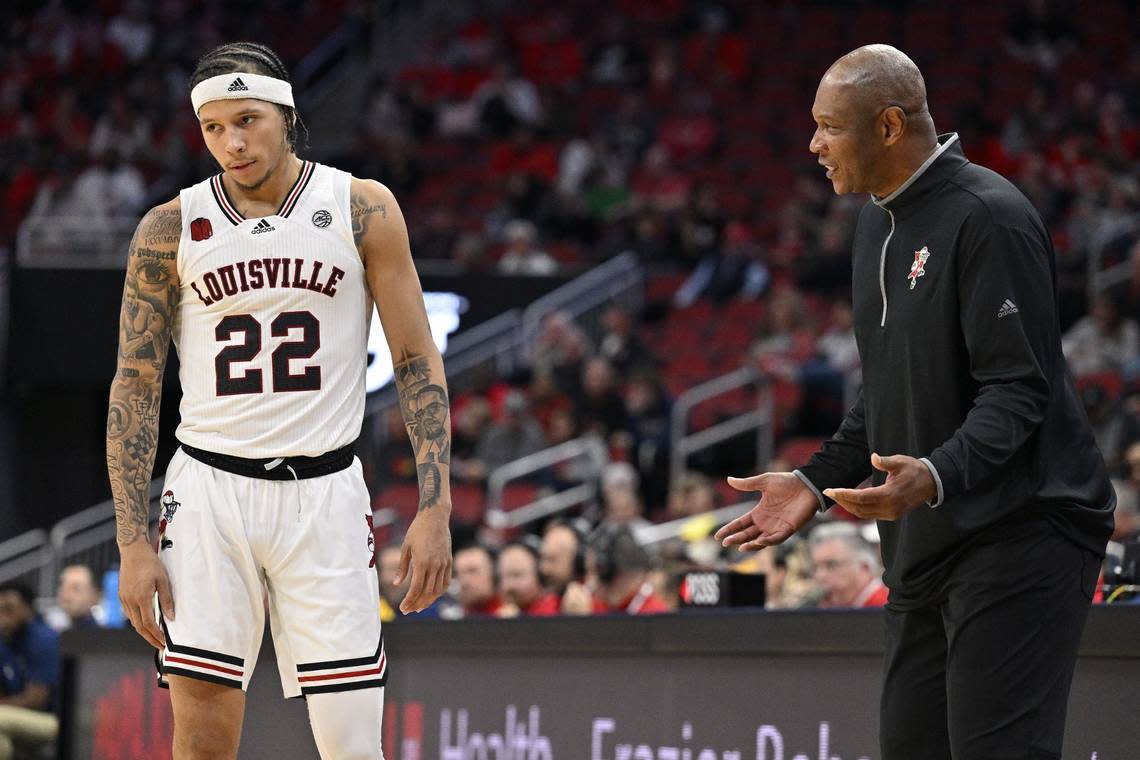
[[893, 123]]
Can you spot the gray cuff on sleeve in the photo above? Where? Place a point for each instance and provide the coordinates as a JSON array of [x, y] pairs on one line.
[[822, 502], [937, 484]]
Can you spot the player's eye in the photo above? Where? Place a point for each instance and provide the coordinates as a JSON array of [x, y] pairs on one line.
[[247, 119]]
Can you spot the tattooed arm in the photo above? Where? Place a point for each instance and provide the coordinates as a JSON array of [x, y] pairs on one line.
[[382, 239], [150, 296]]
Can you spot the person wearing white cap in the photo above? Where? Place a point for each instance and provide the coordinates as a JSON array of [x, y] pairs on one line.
[[265, 276]]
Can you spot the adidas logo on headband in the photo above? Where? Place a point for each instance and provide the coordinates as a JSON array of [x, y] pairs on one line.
[[243, 84]]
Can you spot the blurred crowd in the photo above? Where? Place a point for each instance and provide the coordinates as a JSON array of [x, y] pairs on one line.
[[540, 138]]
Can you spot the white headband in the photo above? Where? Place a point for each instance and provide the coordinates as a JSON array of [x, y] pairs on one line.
[[241, 85]]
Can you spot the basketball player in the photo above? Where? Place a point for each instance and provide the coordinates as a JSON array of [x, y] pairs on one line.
[[265, 275]]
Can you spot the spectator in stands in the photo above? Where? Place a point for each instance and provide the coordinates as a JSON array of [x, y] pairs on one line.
[[520, 583], [1104, 341], [618, 59], [736, 268], [650, 409], [470, 423], [621, 567], [691, 495], [1126, 516], [560, 348], [826, 376], [1040, 32], [122, 129], [1114, 427], [600, 407], [522, 256], [516, 436], [621, 497], [29, 675], [562, 558], [773, 565], [478, 586], [785, 339], [837, 344], [620, 344], [1131, 466], [846, 567], [78, 596], [387, 569], [507, 100]]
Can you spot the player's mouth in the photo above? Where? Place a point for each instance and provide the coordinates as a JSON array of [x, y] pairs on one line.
[[239, 168], [830, 170]]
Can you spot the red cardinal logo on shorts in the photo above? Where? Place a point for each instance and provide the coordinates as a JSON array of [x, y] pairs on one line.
[[201, 229], [371, 542]]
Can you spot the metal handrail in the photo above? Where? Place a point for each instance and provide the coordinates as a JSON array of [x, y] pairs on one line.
[[74, 242], [88, 529], [469, 348], [590, 446], [655, 534], [587, 291], [684, 444], [1099, 279], [22, 554]]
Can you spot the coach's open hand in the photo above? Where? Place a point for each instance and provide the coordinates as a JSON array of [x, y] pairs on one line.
[[427, 552], [909, 485], [785, 506], [141, 574]]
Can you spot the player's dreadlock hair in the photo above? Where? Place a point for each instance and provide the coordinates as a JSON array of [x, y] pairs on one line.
[[256, 59]]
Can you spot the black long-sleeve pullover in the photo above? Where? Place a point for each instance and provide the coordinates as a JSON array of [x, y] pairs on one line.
[[954, 294]]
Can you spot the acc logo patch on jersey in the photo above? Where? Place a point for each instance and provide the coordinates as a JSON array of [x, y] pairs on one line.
[[201, 229], [917, 269], [322, 218]]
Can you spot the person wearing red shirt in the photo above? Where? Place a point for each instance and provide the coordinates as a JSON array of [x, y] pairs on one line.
[[846, 568], [478, 586], [520, 584], [621, 568]]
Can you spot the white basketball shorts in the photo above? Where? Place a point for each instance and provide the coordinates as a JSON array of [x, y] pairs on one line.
[[236, 547]]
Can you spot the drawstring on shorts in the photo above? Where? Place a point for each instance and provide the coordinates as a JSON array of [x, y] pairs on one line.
[[277, 463]]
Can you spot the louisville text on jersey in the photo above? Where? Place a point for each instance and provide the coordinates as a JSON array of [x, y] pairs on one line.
[[256, 274]]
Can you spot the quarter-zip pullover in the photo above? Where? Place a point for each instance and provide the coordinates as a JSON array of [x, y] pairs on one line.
[[954, 296]]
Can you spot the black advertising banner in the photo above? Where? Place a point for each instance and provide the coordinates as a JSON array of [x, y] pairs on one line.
[[704, 686]]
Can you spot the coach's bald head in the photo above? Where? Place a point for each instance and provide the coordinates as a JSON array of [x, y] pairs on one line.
[[873, 124]]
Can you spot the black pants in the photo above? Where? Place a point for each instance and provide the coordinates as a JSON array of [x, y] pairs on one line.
[[984, 674]]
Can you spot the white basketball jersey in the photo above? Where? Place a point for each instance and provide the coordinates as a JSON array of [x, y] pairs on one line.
[[272, 324]]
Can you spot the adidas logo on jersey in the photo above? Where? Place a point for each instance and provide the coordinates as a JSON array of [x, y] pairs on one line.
[[1007, 308], [263, 226], [237, 86]]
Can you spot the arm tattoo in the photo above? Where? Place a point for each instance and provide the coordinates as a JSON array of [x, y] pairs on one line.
[[425, 407], [150, 295], [362, 213]]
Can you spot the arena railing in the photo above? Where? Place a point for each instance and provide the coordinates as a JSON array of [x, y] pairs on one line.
[[684, 444], [88, 538], [24, 557], [591, 452], [620, 280], [1101, 277], [661, 532], [65, 242]]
